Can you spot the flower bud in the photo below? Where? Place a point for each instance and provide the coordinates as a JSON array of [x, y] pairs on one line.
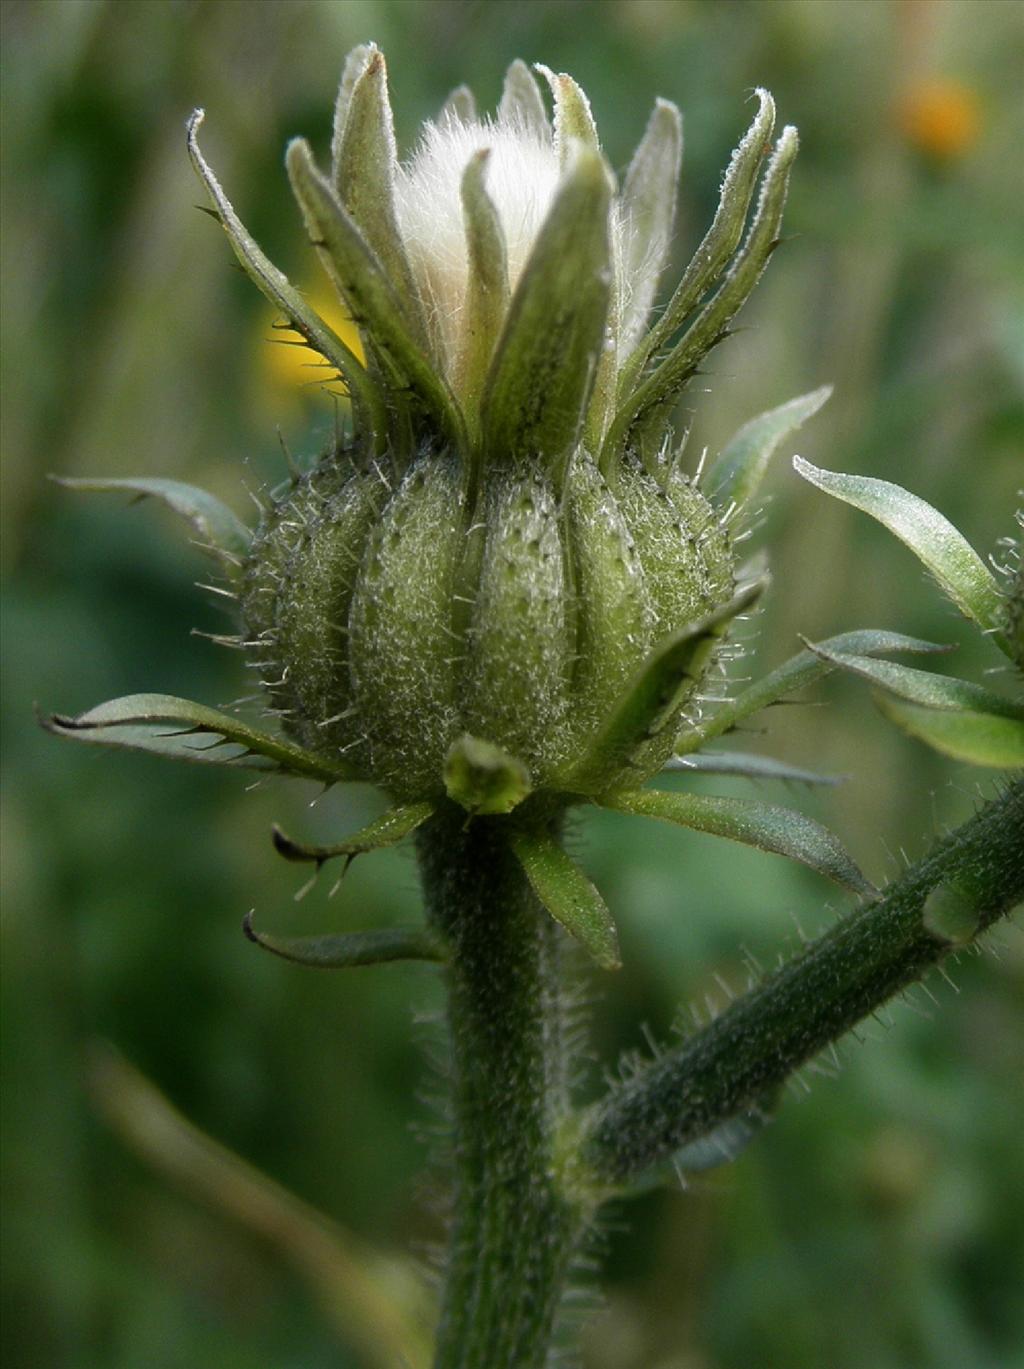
[[501, 582], [392, 619], [497, 589]]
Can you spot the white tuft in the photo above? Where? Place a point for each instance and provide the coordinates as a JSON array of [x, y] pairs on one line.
[[521, 176]]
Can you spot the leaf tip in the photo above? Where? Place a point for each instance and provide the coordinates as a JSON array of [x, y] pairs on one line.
[[57, 724], [284, 846], [805, 469], [49, 722], [788, 144]]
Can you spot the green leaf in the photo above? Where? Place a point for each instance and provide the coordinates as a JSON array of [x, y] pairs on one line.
[[483, 778], [355, 64], [365, 165], [958, 568], [720, 241], [922, 686], [766, 826], [344, 950], [568, 895], [487, 290], [521, 101], [368, 293], [367, 398], [543, 370], [749, 766], [801, 670], [217, 529], [668, 380], [390, 828], [737, 474], [573, 119], [182, 730], [649, 210], [966, 735], [650, 701]]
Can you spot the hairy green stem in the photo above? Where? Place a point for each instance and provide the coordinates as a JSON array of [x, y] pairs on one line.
[[515, 1225], [971, 878]]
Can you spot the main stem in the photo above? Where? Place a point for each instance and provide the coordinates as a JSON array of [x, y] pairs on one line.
[[515, 1225]]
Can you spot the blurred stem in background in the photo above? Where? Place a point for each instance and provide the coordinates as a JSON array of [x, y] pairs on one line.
[[376, 1302]]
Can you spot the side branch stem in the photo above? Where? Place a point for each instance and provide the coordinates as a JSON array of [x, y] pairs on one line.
[[515, 1227], [978, 871]]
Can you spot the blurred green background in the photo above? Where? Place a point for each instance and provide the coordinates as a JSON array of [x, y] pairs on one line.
[[877, 1225]]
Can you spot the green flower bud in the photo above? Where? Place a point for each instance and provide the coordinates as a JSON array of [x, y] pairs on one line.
[[501, 582], [497, 588], [393, 618]]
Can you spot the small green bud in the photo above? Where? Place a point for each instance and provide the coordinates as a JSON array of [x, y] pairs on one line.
[[498, 589], [389, 622], [483, 778], [472, 595], [951, 914]]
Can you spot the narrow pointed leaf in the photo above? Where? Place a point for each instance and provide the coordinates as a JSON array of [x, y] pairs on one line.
[[217, 529], [573, 119], [721, 239], [568, 895], [601, 404], [364, 180], [522, 102], [367, 399], [459, 108], [487, 291], [650, 701], [751, 767], [345, 950], [365, 288], [737, 474], [392, 827], [649, 210], [800, 671], [766, 826], [964, 734], [542, 374], [670, 377], [183, 730], [952, 560], [355, 64], [922, 686]]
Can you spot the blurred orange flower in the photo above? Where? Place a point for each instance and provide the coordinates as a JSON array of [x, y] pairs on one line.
[[940, 117]]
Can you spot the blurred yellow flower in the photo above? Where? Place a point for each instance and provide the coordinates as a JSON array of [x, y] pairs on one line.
[[285, 368], [940, 117]]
